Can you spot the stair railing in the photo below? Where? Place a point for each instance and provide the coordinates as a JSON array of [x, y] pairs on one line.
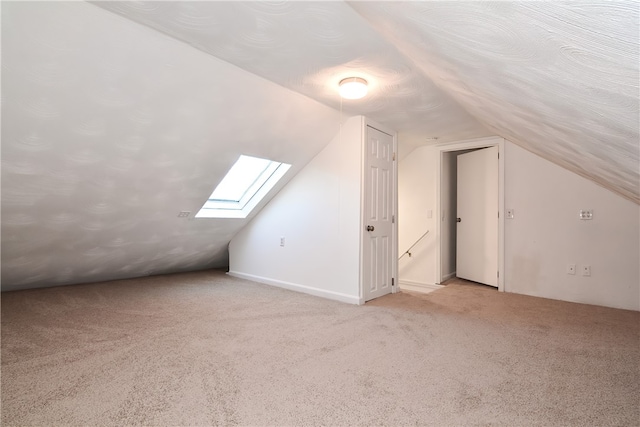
[[408, 251]]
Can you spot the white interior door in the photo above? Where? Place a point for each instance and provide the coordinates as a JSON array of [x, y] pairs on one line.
[[477, 229], [379, 191]]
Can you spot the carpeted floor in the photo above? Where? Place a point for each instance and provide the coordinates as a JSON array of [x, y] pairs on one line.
[[207, 349]]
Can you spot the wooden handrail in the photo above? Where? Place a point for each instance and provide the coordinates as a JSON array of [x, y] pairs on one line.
[[415, 243]]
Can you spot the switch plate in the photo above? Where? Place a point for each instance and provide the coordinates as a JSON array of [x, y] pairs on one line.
[[510, 213], [282, 241], [586, 270], [429, 213], [183, 214], [571, 269], [586, 214]]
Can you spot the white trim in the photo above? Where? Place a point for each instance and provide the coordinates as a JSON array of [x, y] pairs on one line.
[[336, 296], [363, 136], [464, 145], [378, 126], [424, 288], [448, 276]]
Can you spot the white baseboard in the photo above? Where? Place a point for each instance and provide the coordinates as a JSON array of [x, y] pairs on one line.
[[350, 299], [424, 288], [448, 276]]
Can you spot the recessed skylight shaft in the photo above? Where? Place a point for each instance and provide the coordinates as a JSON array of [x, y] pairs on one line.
[[240, 178], [242, 188]]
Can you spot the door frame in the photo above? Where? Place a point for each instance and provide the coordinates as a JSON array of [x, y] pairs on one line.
[[394, 204], [465, 145]]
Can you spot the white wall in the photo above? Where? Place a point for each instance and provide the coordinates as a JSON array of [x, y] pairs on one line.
[[545, 234], [111, 128], [318, 214], [416, 196]]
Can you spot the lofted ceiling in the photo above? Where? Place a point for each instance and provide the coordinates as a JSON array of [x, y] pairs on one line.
[[118, 115], [557, 78], [309, 47], [560, 79]]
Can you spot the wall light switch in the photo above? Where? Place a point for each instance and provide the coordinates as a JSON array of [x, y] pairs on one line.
[[510, 213], [281, 241], [571, 269], [183, 214], [429, 213], [586, 270], [586, 214]]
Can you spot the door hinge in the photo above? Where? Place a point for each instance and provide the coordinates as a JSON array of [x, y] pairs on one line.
[[393, 219], [392, 281], [498, 274], [394, 157], [498, 155]]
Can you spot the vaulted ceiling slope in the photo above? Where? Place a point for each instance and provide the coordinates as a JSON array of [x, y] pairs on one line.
[[557, 78], [309, 47], [110, 129]]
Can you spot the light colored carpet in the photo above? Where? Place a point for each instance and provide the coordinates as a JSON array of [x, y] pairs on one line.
[[207, 349]]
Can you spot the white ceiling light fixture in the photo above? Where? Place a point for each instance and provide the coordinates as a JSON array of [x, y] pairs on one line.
[[353, 88]]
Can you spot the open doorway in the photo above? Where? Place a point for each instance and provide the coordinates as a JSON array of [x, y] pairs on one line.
[[447, 226], [448, 212]]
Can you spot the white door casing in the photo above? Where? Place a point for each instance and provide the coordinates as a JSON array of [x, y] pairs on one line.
[[379, 201], [477, 229]]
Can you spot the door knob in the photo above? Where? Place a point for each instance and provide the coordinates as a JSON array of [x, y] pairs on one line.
[[458, 219], [370, 228]]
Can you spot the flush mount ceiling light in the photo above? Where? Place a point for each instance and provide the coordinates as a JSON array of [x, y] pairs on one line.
[[353, 88]]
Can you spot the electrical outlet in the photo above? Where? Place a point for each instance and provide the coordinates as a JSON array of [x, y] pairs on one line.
[[510, 213], [282, 241], [571, 269], [183, 214], [586, 270]]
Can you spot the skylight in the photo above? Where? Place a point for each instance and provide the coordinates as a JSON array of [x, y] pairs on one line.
[[242, 188]]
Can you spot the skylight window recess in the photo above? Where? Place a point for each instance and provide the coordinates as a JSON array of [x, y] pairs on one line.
[[242, 188]]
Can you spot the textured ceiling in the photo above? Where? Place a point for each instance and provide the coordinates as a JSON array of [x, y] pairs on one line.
[[557, 78], [110, 128], [309, 47]]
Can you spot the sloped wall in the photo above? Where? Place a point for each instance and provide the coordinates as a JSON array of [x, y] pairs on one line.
[[545, 234], [557, 78], [318, 215], [110, 128]]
